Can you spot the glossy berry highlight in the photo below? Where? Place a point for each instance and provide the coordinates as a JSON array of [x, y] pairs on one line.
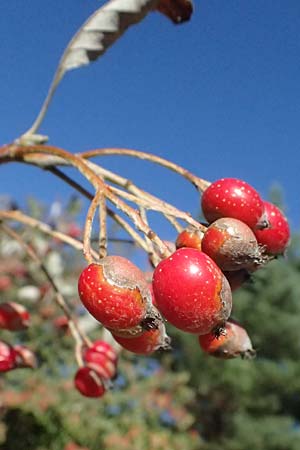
[[8, 357], [191, 292], [89, 383], [231, 197]]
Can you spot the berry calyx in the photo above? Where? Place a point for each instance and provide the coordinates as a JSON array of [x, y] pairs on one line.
[[232, 341], [232, 245], [276, 237], [89, 383], [13, 316], [231, 197], [146, 343], [191, 292], [116, 293]]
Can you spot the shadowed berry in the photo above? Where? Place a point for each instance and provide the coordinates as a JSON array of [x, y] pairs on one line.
[[231, 342], [147, 343], [232, 245]]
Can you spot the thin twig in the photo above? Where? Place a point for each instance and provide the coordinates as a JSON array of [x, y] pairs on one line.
[[79, 337], [198, 182], [102, 227], [133, 189], [118, 219], [88, 227], [20, 153], [20, 217]]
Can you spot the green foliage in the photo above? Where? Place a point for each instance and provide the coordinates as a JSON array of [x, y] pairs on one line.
[[178, 400], [253, 404]]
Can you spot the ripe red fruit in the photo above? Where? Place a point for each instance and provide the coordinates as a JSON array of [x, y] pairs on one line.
[[100, 363], [88, 382], [232, 245], [105, 348], [231, 197], [13, 316], [116, 293], [8, 357], [190, 237], [25, 357], [276, 237], [191, 292], [231, 342], [147, 343], [5, 283], [61, 323]]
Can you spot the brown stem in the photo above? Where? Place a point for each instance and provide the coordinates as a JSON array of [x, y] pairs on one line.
[[18, 216], [78, 335], [199, 183], [14, 152], [118, 219], [102, 227], [88, 227], [135, 190]]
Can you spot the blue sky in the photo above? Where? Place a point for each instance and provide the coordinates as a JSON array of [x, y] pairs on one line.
[[219, 95]]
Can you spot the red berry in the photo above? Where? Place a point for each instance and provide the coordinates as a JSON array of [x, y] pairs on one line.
[[100, 363], [232, 245], [61, 323], [231, 197], [146, 343], [8, 357], [13, 316], [231, 342], [191, 291], [5, 283], [25, 357], [88, 382], [115, 292], [190, 237], [276, 237], [105, 348]]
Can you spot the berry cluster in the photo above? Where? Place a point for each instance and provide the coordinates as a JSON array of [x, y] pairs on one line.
[[14, 317], [100, 366], [192, 287]]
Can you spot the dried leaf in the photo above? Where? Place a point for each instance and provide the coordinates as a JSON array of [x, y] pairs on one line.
[[93, 38], [101, 30], [96, 35]]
